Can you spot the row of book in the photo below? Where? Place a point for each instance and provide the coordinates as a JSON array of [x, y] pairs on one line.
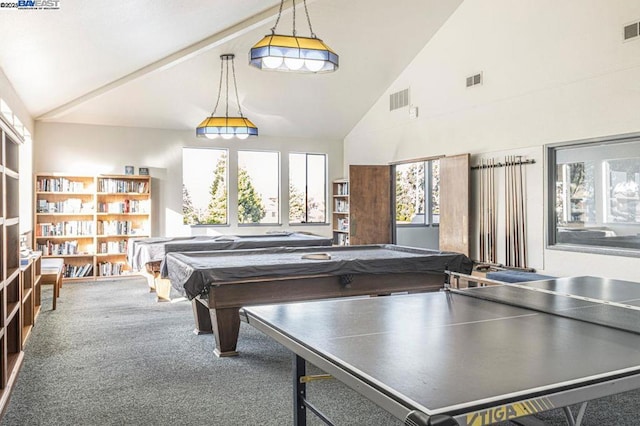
[[70, 205], [113, 247], [342, 188], [115, 227], [59, 185], [107, 269], [124, 206], [342, 206], [343, 224], [78, 271], [122, 186], [74, 227], [58, 248], [342, 239]]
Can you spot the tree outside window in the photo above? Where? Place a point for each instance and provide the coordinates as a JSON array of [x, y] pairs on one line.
[[204, 186], [417, 193], [307, 188], [258, 187]]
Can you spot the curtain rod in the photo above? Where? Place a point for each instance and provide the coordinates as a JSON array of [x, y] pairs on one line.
[[508, 163]]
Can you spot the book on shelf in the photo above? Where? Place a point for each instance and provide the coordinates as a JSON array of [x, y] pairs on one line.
[[60, 184], [342, 188], [58, 248], [78, 271], [112, 185], [124, 206], [107, 269], [68, 228]]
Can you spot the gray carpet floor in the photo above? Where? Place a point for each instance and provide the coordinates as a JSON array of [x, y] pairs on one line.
[[111, 355]]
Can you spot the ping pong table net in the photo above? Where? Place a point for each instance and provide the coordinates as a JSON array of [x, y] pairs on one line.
[[616, 315]]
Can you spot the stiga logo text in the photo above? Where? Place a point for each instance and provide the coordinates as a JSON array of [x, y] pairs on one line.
[[509, 411]]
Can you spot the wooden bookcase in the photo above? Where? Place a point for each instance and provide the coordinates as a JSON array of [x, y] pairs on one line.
[[30, 281], [11, 354], [340, 215], [89, 220]]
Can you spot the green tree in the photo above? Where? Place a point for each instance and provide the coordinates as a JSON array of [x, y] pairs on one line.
[[297, 206], [250, 206], [409, 191], [217, 208], [189, 216], [435, 187]]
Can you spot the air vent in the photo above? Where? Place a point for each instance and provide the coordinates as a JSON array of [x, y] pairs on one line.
[[474, 80], [631, 31], [399, 99]]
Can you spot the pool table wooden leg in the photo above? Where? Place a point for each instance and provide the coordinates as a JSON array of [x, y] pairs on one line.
[[226, 327], [202, 318]]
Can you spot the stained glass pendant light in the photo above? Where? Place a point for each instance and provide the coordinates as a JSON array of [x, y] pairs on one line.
[[227, 127], [292, 53]]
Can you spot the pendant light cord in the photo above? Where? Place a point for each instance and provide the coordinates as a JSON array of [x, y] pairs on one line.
[[219, 90], [273, 30], [235, 85], [226, 114], [306, 11]]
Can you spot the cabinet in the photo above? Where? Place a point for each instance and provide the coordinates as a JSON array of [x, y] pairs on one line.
[[89, 220], [11, 354], [340, 215]]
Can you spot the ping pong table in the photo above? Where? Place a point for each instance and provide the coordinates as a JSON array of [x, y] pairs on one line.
[[472, 357]]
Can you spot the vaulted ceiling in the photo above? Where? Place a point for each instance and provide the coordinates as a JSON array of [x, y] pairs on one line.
[[156, 63]]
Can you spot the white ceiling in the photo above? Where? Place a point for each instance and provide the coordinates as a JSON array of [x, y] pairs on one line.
[[155, 63]]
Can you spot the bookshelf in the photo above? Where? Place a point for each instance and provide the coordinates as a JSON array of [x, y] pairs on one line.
[[89, 220], [30, 280], [11, 353], [340, 215]]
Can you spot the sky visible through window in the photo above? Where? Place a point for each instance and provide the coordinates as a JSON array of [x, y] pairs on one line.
[[198, 165]]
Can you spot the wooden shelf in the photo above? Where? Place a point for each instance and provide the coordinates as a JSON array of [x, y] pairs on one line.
[[11, 290], [68, 237], [340, 214], [129, 196]]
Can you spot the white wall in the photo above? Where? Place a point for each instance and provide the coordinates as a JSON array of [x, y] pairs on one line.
[[553, 71], [87, 149], [8, 94]]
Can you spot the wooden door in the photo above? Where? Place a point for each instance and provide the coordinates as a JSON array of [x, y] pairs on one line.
[[370, 205], [454, 203]]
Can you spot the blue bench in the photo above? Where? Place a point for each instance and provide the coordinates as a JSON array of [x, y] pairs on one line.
[[511, 276]]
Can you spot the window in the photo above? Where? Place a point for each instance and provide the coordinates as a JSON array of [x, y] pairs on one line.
[[204, 186], [594, 192], [307, 188], [258, 187], [417, 193]]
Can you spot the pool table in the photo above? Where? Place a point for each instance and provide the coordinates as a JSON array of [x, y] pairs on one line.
[[219, 283], [146, 255]]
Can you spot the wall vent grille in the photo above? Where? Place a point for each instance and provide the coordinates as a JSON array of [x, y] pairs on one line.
[[631, 31], [399, 99], [474, 80]]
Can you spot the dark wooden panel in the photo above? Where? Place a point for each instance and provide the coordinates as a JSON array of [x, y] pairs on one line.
[[454, 203], [370, 208], [318, 287]]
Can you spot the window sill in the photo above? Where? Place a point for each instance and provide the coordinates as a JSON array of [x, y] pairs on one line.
[[608, 251]]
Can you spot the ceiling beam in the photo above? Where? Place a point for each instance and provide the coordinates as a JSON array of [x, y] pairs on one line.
[[175, 58]]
